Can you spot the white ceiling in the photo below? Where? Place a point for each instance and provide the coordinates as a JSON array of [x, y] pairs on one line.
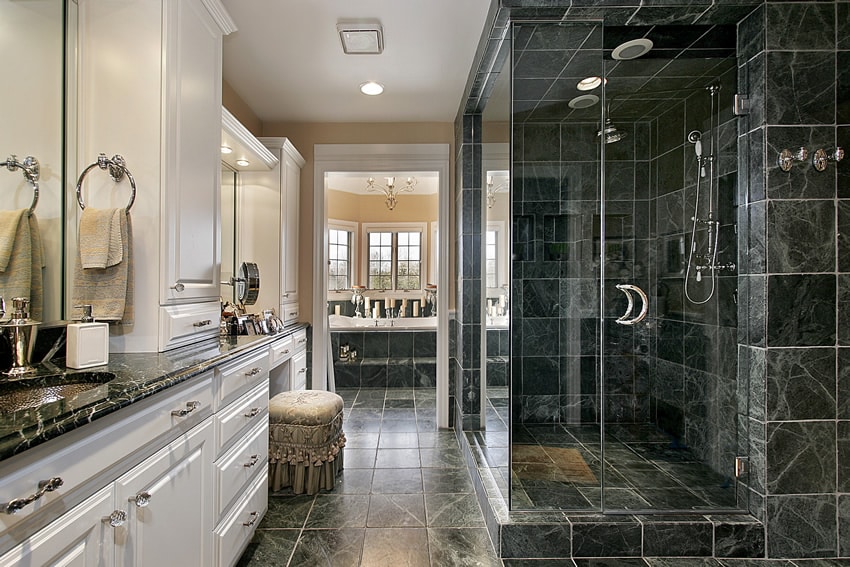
[[286, 61]]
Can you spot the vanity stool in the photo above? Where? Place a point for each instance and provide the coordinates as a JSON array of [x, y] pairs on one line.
[[305, 440]]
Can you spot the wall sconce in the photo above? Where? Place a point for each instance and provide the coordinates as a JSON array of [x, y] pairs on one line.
[[391, 190], [492, 189], [822, 157]]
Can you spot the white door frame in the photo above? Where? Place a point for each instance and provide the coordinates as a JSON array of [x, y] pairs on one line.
[[328, 158]]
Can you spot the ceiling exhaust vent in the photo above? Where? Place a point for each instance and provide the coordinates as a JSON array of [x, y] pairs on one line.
[[361, 38]]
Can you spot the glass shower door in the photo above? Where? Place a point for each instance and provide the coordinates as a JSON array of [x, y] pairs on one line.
[[556, 451]]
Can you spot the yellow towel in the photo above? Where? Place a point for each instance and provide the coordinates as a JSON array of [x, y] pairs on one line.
[[21, 259], [101, 243], [110, 290]]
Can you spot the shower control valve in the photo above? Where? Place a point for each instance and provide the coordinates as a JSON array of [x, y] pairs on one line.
[[822, 157], [787, 158]]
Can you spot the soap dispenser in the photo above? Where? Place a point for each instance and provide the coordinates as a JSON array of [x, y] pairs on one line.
[[88, 342]]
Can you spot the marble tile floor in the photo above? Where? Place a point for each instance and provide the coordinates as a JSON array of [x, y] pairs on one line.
[[643, 471], [405, 497]]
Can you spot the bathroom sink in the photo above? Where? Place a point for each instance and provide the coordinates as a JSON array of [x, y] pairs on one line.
[[34, 392]]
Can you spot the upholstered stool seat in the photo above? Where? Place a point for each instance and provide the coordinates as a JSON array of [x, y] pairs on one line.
[[305, 440]]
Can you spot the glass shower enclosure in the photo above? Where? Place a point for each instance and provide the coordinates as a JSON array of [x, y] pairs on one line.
[[623, 318]]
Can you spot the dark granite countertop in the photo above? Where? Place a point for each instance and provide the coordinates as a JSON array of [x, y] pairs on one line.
[[25, 423]]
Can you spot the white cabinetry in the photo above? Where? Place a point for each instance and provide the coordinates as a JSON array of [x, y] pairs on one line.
[[156, 100], [169, 512], [81, 537], [287, 176]]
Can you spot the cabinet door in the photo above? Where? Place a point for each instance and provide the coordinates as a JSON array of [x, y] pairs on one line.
[[168, 505], [291, 180], [190, 244], [81, 537]]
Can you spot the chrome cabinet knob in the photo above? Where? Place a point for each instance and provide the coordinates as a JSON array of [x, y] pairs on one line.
[[116, 519], [142, 499], [178, 287], [190, 407]]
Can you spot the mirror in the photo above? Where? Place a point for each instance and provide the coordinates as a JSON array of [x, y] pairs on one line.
[[32, 36]]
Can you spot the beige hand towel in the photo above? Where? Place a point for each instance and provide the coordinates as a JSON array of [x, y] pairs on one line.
[[109, 290], [101, 243], [21, 259]]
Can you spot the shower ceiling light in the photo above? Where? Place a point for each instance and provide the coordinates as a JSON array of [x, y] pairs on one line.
[[632, 49], [361, 38], [583, 101], [371, 88], [589, 83]]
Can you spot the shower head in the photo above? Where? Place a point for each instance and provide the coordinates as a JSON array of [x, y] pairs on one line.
[[611, 133]]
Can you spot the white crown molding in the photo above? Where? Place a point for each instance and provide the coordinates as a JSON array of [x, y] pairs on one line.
[[221, 16], [236, 130]]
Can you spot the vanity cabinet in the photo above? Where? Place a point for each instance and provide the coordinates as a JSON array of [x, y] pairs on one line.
[[156, 100], [287, 176]]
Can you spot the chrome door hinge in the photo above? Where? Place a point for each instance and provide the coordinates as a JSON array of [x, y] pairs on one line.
[[741, 105], [742, 466]]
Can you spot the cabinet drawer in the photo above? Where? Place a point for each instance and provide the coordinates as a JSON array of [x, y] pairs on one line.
[[280, 351], [299, 371], [289, 313], [299, 340], [185, 324], [235, 530], [238, 465], [242, 414], [233, 379], [82, 454]]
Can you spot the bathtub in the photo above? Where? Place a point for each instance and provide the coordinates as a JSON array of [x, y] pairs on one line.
[[344, 322]]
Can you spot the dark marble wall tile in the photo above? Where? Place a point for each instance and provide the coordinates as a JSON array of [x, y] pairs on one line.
[[801, 457], [802, 526], [534, 540], [844, 461], [757, 257], [843, 525], [751, 34], [801, 310], [734, 537], [798, 26], [842, 135], [802, 384], [801, 236], [843, 383], [843, 235], [677, 539], [606, 539], [757, 314], [800, 87], [842, 101]]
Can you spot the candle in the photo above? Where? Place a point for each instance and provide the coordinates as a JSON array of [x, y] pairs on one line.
[[391, 304], [416, 309], [366, 304], [374, 313], [404, 307], [336, 309], [501, 301]]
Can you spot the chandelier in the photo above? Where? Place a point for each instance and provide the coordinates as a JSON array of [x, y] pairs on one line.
[[391, 190], [492, 189]]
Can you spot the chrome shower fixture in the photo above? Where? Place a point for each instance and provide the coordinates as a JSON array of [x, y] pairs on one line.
[[787, 158], [611, 133], [822, 157]]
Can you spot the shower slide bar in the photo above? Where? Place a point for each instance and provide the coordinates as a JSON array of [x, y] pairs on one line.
[[628, 289]]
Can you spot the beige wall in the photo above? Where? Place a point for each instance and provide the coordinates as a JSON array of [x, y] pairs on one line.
[[305, 135], [237, 107], [359, 209]]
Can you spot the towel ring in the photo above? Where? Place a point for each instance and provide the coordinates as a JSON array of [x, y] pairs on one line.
[[117, 169], [31, 170]]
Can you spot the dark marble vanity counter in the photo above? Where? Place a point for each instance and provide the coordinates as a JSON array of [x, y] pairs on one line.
[[129, 378]]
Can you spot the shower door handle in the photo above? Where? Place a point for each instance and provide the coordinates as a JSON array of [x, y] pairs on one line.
[[628, 289]]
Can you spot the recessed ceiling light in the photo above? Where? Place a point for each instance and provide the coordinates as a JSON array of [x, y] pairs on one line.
[[584, 101], [632, 49], [371, 88], [243, 162], [589, 83], [225, 149]]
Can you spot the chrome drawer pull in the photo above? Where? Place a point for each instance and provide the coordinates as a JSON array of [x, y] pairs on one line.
[[254, 371], [254, 460], [142, 499], [253, 412], [252, 521], [43, 486], [190, 407], [116, 519], [293, 313], [302, 371], [203, 323], [302, 341]]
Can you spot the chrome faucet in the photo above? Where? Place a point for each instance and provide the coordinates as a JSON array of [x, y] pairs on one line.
[[20, 331]]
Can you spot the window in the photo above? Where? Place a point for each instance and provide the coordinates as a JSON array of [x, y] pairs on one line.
[[342, 242], [395, 256], [491, 259]]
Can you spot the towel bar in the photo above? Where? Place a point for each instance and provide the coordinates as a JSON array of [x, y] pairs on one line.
[[31, 170], [117, 169]]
